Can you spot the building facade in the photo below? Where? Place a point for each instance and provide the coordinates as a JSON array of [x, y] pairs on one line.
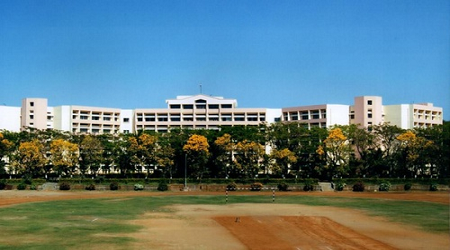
[[211, 112], [201, 112]]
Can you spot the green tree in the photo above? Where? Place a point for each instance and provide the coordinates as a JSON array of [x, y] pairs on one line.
[[165, 155], [363, 144], [91, 151], [387, 147]]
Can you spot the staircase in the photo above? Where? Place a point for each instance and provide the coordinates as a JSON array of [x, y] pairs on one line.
[[326, 186]]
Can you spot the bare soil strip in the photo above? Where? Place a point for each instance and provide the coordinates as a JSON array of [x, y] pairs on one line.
[[297, 232]]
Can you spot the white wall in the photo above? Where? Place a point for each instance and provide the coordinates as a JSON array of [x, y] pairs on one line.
[[398, 115], [338, 114], [271, 114], [127, 113], [10, 118], [62, 118]]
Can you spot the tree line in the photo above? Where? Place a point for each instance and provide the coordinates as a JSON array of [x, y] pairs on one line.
[[287, 150]]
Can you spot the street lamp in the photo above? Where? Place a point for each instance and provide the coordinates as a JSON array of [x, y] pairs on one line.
[[185, 172]]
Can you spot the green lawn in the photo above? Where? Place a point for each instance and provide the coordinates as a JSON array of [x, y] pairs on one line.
[[73, 224]]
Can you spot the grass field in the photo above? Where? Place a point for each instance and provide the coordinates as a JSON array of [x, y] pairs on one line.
[[104, 223]]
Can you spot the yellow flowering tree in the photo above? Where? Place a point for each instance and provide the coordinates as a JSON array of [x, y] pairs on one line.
[[249, 154], [282, 159], [165, 155], [197, 150], [31, 157], [143, 150], [64, 156], [225, 147], [5, 146], [336, 151], [412, 153]]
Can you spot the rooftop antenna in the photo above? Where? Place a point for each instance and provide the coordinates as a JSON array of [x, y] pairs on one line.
[[200, 88]]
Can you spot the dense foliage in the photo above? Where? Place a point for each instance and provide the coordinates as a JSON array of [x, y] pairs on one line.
[[281, 150]]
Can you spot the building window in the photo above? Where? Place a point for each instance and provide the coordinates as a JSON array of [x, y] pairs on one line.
[[226, 106], [126, 119], [304, 115], [294, 116], [31, 117], [369, 113], [188, 106], [32, 104], [323, 113], [315, 114], [369, 102], [175, 106], [213, 106]]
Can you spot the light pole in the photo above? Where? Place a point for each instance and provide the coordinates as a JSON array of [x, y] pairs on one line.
[[185, 172]]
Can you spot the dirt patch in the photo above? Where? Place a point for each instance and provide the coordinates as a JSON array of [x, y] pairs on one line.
[[296, 232], [277, 226]]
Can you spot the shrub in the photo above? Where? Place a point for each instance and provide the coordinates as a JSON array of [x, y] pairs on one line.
[[384, 186], [162, 186], [2, 184], [308, 186], [232, 186], [21, 186], [64, 186], [433, 187], [114, 186], [339, 186], [138, 187], [256, 186], [90, 187], [33, 187], [358, 187], [407, 186], [283, 186], [99, 179]]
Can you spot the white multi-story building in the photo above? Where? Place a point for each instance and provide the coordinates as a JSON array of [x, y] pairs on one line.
[[323, 116], [211, 112], [366, 111], [201, 112], [10, 118], [413, 115]]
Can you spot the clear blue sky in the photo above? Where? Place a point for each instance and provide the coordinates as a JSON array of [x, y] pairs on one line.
[[138, 53]]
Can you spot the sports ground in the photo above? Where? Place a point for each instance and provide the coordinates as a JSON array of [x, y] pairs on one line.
[[212, 220]]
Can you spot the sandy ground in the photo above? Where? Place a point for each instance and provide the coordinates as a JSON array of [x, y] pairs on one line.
[[264, 226]]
